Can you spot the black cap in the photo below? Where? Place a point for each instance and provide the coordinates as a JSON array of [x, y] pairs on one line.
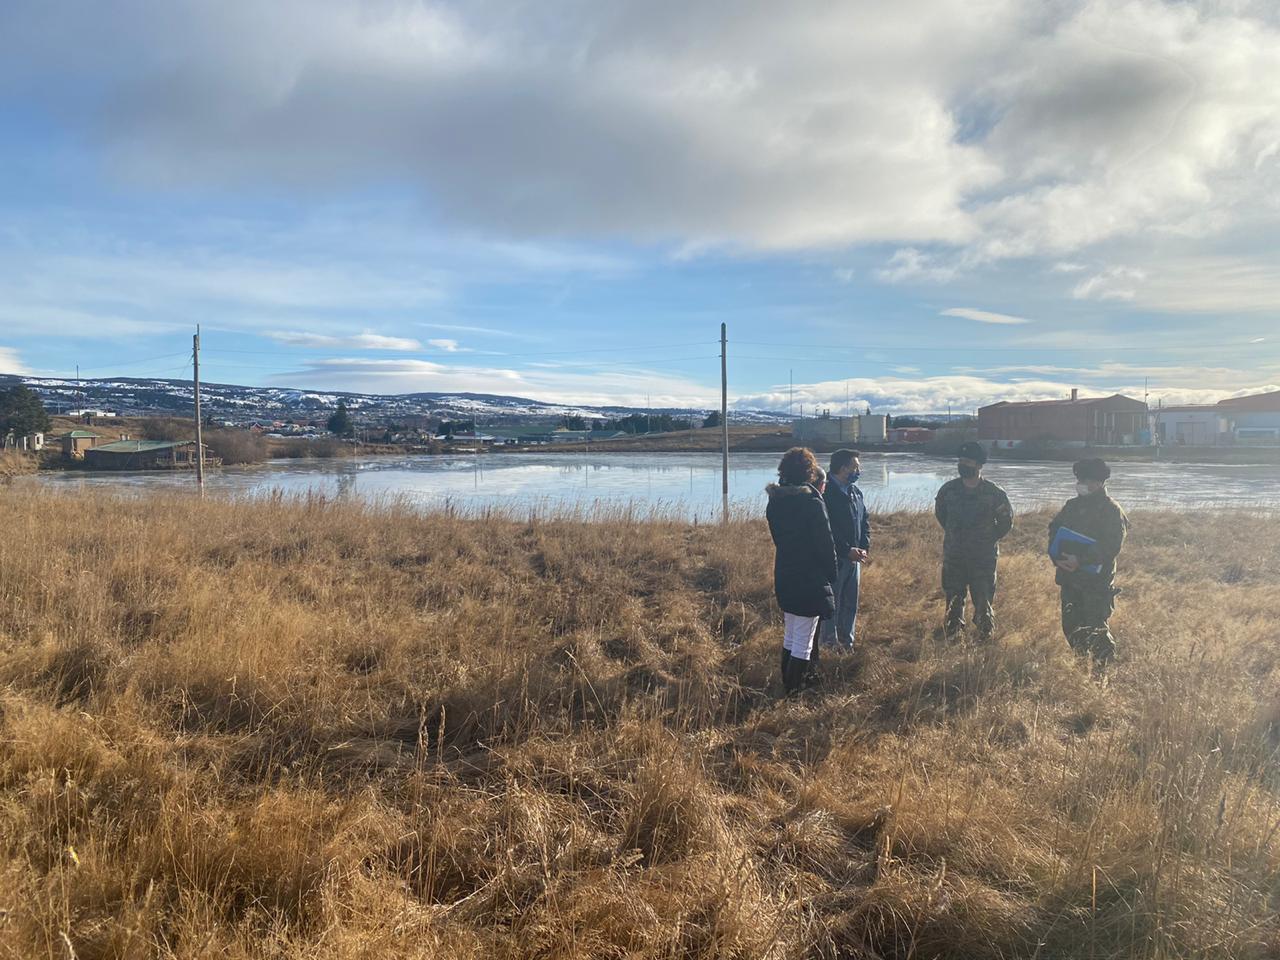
[[1092, 469], [973, 451]]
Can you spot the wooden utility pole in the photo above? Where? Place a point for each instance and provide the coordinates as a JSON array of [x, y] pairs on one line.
[[724, 421], [195, 367]]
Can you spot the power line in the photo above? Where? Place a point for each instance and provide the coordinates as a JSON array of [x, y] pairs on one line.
[[863, 348]]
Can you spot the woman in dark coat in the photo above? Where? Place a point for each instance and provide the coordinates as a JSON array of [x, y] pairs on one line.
[[804, 564]]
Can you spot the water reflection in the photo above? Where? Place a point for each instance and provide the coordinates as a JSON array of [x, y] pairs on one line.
[[688, 483]]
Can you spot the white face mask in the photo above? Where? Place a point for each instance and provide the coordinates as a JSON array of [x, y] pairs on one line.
[[1082, 488]]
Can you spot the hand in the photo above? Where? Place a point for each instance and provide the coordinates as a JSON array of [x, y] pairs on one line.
[[1068, 562], [858, 556]]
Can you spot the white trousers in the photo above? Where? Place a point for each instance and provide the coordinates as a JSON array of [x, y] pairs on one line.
[[798, 634]]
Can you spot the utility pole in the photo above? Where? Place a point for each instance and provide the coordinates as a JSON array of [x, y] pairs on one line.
[[724, 421], [195, 367], [791, 395]]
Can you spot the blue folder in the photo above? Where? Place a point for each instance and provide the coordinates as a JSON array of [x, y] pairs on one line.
[[1065, 538]]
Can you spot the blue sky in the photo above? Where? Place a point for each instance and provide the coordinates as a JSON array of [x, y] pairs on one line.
[[912, 205]]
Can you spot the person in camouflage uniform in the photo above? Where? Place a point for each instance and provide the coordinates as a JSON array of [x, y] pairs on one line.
[[1088, 598], [975, 515]]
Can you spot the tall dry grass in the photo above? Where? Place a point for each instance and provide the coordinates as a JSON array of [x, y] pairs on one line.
[[315, 729]]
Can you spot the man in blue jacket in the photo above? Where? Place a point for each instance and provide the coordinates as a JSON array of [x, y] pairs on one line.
[[851, 531]]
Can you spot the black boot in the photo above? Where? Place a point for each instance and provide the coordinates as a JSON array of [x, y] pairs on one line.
[[794, 674]]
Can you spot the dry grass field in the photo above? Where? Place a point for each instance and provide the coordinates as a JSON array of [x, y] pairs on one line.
[[310, 729]]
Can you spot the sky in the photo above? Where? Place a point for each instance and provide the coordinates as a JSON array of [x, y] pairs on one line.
[[912, 205]]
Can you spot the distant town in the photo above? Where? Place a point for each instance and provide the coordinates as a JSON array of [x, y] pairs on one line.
[[146, 424]]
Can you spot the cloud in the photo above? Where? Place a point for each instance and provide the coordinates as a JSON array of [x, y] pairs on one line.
[[1113, 283], [1239, 284], [10, 362], [448, 346], [963, 393], [912, 265], [983, 316], [1034, 129], [359, 341], [617, 386]]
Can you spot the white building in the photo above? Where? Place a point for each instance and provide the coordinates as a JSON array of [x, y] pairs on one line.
[[33, 442], [1191, 426], [826, 430]]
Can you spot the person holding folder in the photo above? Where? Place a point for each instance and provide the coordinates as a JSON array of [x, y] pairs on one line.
[[1085, 538]]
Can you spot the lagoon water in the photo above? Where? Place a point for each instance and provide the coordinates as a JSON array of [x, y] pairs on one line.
[[687, 484]]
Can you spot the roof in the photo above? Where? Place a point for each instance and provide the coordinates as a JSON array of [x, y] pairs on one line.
[[141, 446], [1258, 402], [80, 435], [1066, 402]]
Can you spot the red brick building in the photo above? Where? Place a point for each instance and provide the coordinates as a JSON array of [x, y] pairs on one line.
[[1080, 421]]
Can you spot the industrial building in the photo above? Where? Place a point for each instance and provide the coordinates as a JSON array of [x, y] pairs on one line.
[[1254, 419], [827, 430], [1192, 425], [1079, 421]]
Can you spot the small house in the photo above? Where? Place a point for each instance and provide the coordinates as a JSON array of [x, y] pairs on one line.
[[75, 443], [30, 442]]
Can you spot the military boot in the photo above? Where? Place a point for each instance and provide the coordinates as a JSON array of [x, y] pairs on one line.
[[1102, 646]]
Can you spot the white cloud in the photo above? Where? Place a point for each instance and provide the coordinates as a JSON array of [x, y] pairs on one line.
[[1113, 283], [626, 386], [911, 265], [983, 316], [448, 346], [1193, 284], [359, 341], [965, 393], [10, 362], [1063, 266]]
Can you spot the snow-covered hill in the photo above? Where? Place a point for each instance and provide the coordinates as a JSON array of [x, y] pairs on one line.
[[131, 396]]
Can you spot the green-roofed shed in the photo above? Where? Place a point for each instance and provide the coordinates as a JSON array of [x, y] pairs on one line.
[[75, 443]]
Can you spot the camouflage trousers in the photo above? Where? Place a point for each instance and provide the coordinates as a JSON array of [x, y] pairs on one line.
[[1086, 610], [977, 578]]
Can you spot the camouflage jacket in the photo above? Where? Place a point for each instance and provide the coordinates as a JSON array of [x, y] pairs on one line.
[[1100, 518], [973, 521]]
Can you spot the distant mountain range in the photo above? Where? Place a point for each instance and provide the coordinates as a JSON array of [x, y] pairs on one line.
[[147, 397]]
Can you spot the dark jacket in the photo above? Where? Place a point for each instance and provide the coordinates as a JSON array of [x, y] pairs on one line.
[[973, 521], [850, 523], [804, 562], [1099, 517]]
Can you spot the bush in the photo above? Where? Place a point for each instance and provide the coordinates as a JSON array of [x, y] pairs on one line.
[[167, 428], [301, 449], [237, 446]]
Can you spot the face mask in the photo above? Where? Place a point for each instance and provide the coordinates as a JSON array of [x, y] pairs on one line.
[[854, 475], [967, 471], [1082, 488]]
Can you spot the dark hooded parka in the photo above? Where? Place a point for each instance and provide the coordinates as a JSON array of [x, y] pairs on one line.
[[804, 563]]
